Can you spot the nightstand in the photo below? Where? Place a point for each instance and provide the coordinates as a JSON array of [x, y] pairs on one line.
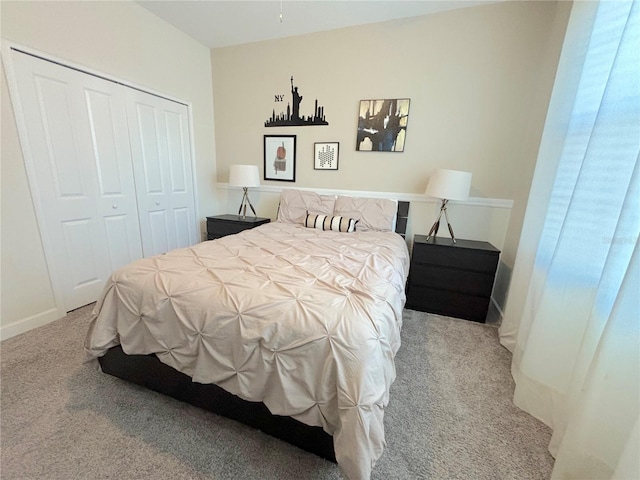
[[453, 279], [223, 225]]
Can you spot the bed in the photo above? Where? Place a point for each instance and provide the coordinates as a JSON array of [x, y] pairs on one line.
[[291, 327]]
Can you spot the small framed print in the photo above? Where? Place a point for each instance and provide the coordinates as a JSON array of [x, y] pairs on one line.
[[325, 156], [280, 158]]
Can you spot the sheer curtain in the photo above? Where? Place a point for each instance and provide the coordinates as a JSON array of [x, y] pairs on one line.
[[572, 319]]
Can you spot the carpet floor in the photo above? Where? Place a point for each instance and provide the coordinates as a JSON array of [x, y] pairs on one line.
[[450, 417]]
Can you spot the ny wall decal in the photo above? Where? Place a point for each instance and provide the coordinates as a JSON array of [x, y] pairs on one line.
[[293, 117]]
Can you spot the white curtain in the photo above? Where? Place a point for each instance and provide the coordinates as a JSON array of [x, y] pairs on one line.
[[572, 319]]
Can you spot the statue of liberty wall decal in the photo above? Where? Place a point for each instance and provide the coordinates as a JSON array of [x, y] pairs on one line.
[[293, 117]]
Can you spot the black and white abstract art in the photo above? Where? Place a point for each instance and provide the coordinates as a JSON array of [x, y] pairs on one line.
[[382, 125]]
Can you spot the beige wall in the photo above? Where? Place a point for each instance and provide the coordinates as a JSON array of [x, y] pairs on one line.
[[121, 39], [479, 80]]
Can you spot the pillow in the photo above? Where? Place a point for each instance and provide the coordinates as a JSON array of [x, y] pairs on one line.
[[327, 222], [294, 205], [373, 214]]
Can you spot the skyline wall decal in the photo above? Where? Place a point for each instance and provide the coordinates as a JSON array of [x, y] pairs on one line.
[[292, 116]]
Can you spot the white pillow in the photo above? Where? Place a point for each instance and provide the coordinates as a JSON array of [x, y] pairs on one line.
[[327, 222], [294, 205], [373, 214]]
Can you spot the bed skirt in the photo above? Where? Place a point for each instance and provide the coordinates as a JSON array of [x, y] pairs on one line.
[[148, 371]]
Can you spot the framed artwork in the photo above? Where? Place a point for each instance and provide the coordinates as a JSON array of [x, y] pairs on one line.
[[325, 156], [382, 125], [280, 157]]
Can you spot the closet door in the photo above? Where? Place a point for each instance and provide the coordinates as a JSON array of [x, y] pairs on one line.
[[80, 172], [160, 146]]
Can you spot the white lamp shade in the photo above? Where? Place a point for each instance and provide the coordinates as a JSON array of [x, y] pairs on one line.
[[449, 184], [244, 176]]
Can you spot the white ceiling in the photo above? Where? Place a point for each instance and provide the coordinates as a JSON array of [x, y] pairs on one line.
[[221, 23]]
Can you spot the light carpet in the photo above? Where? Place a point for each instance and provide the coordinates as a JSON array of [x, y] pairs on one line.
[[450, 417]]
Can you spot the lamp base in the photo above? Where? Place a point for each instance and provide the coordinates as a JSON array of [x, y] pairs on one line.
[[243, 204], [436, 225]]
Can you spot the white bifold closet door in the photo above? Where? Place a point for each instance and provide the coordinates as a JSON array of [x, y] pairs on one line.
[[159, 133], [110, 172]]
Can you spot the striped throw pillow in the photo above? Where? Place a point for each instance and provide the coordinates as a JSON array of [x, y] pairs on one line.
[[326, 222]]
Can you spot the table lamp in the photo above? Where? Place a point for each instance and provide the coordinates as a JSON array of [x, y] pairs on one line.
[[447, 185], [244, 176]]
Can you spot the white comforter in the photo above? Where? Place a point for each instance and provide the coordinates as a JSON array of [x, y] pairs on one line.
[[304, 320]]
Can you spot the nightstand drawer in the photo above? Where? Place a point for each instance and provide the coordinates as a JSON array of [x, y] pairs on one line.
[[448, 303], [223, 225], [463, 281], [221, 228], [455, 257]]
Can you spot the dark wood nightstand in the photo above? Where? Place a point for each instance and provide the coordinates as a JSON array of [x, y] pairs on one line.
[[223, 225], [453, 279]]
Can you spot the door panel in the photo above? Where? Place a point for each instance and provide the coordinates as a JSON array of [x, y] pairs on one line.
[[58, 142], [82, 273], [158, 235], [181, 174], [177, 160], [181, 219], [151, 161], [104, 142], [111, 156], [119, 238]]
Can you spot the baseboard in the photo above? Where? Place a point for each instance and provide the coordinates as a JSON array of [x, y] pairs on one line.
[[29, 323]]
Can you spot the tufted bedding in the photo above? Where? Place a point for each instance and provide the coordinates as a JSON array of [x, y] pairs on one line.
[[304, 320]]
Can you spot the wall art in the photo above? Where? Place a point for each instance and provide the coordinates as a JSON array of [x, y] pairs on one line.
[[382, 125], [325, 156], [280, 157], [293, 116]]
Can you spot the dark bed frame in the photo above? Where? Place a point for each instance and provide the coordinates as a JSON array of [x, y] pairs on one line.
[[148, 371]]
